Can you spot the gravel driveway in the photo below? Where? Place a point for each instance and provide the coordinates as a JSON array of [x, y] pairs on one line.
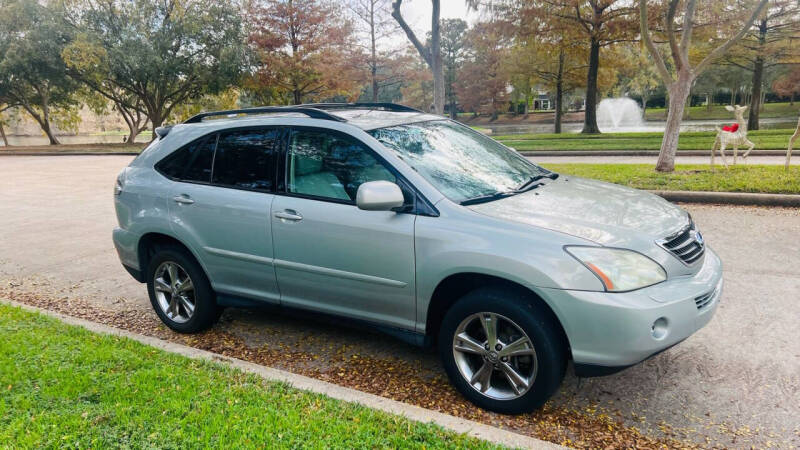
[[735, 383]]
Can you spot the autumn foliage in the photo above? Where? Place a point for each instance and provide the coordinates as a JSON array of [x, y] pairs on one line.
[[304, 51]]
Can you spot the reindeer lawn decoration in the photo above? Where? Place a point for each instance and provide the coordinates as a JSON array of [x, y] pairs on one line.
[[733, 135]]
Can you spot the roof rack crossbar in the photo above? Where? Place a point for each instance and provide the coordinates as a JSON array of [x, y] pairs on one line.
[[311, 112], [385, 106]]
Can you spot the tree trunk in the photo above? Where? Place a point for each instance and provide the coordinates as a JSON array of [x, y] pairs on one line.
[[559, 92], [44, 122], [590, 117], [374, 62], [436, 58], [644, 107], [49, 132], [156, 119], [709, 99], [42, 119], [678, 93], [755, 99], [3, 134]]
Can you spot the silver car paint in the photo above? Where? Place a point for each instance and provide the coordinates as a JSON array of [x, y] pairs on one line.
[[384, 267]]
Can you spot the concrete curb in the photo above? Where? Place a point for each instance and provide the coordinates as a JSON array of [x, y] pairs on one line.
[[640, 153], [411, 412], [731, 198], [2, 153]]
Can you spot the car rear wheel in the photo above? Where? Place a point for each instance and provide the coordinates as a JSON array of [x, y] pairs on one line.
[[501, 350], [180, 292]]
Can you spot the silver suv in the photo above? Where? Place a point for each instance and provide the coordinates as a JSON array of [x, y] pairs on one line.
[[420, 227]]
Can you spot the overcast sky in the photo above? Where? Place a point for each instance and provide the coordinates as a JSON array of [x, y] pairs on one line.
[[418, 13]]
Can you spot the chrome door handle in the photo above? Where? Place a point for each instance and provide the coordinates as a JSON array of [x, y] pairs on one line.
[[289, 215], [182, 200]]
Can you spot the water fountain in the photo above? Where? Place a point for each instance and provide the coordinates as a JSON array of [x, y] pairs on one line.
[[620, 114]]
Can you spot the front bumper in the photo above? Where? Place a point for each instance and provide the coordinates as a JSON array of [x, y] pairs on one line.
[[608, 332]]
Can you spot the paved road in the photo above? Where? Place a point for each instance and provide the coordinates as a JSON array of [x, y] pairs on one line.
[[736, 382], [753, 160]]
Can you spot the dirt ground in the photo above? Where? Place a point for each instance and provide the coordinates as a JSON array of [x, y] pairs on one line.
[[736, 383]]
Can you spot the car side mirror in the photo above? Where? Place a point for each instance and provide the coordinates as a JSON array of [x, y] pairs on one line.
[[379, 196]]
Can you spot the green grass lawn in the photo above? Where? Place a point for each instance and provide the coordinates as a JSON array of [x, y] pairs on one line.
[[63, 386], [82, 148], [771, 110], [766, 179], [776, 139]]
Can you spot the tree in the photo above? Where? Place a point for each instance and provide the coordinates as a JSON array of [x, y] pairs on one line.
[[604, 22], [769, 43], [88, 62], [453, 48], [158, 54], [483, 81], [432, 55], [679, 81], [600, 23], [788, 84], [643, 79], [32, 74], [304, 48], [377, 25]]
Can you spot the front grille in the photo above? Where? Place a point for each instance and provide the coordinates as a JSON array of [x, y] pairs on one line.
[[686, 244], [704, 300]]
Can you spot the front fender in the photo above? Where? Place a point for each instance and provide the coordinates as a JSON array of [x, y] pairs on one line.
[[530, 257]]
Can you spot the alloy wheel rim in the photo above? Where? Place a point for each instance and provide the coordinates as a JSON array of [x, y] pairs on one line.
[[174, 292], [495, 356]]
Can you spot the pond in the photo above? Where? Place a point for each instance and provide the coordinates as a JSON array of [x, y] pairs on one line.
[[655, 126]]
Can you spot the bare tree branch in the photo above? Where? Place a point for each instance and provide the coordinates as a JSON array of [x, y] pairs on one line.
[[424, 52], [719, 51], [648, 42]]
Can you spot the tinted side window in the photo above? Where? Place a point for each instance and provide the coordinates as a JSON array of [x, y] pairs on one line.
[[246, 159], [190, 163], [324, 164]]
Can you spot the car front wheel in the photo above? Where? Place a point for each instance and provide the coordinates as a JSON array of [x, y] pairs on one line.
[[502, 351]]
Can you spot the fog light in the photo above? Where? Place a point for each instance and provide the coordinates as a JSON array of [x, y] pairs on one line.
[[660, 328]]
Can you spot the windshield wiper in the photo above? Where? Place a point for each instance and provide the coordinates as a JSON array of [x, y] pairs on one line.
[[528, 185], [487, 198], [532, 180]]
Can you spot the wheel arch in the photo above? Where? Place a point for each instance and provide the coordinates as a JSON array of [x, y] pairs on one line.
[[148, 244], [455, 286]]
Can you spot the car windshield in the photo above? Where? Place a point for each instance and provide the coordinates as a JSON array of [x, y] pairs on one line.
[[461, 163]]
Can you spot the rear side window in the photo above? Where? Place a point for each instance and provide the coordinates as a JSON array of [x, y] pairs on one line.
[[190, 163], [245, 159]]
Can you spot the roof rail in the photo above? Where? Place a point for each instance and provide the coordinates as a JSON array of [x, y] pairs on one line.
[[385, 106], [309, 111]]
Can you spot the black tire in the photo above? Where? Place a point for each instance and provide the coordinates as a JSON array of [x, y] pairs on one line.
[[534, 320], [206, 311]]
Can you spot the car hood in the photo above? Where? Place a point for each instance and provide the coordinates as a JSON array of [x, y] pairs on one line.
[[605, 213]]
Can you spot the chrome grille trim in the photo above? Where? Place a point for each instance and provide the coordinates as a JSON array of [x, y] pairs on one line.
[[683, 244]]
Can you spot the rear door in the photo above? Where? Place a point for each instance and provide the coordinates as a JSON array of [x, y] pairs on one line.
[[331, 256], [221, 205]]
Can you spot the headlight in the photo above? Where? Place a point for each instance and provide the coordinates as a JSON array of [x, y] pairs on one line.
[[618, 269]]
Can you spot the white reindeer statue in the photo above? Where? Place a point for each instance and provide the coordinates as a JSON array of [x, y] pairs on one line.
[[734, 135], [791, 144]]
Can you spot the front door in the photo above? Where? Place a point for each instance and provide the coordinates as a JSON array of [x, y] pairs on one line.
[[225, 214], [331, 256]]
